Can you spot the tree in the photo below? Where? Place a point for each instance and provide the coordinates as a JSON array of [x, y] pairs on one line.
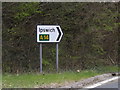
[[89, 35]]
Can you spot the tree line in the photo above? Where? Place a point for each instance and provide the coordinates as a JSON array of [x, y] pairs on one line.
[[90, 35]]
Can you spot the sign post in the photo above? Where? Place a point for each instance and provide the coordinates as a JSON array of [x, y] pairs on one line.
[[57, 57], [41, 58], [49, 34]]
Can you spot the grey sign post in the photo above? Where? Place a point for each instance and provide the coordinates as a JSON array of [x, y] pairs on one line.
[[57, 57], [41, 58], [49, 34]]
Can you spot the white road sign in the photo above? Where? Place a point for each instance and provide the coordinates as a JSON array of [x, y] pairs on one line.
[[49, 33]]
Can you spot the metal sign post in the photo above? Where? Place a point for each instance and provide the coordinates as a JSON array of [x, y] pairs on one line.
[[57, 57], [40, 57], [49, 34]]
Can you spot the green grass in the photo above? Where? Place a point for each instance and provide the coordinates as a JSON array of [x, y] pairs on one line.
[[32, 80], [0, 80]]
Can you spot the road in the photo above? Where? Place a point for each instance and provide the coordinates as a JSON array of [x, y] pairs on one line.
[[114, 85]]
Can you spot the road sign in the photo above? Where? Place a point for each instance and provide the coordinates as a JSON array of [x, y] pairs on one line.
[[49, 33]]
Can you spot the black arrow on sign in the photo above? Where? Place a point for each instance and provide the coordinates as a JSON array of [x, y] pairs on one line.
[[59, 33]]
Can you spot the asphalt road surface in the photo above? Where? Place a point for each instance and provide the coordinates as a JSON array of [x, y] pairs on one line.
[[112, 85]]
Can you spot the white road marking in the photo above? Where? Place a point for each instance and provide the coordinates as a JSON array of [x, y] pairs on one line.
[[103, 82]]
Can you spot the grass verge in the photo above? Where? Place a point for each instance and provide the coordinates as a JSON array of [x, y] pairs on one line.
[[0, 81], [32, 80]]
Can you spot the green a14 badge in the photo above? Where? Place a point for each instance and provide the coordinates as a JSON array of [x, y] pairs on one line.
[[44, 37]]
